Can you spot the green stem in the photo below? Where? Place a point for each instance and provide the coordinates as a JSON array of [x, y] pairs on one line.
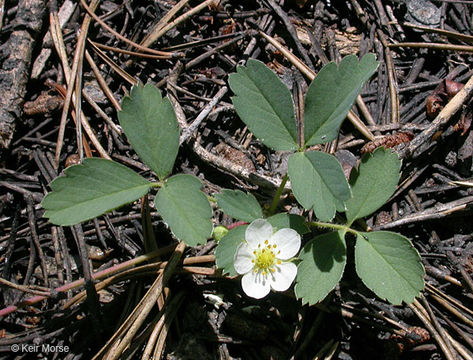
[[147, 225], [277, 196], [157, 184], [344, 228]]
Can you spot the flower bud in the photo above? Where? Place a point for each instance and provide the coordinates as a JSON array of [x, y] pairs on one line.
[[219, 232]]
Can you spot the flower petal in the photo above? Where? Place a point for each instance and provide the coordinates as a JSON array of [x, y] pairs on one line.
[[257, 232], [242, 259], [288, 243], [255, 285], [283, 277]]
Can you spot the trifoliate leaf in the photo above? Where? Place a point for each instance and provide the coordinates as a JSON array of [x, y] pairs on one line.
[[331, 95], [185, 209], [150, 125], [239, 205], [318, 181], [373, 183], [91, 189], [322, 263], [265, 105], [389, 265]]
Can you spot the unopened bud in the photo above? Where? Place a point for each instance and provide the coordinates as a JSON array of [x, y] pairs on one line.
[[219, 232]]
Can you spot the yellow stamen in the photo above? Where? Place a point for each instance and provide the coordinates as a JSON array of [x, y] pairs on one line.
[[264, 260]]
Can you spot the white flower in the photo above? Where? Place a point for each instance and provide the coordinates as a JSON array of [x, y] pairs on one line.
[[262, 259]]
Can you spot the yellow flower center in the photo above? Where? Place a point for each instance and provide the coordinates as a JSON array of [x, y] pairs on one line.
[[265, 258]]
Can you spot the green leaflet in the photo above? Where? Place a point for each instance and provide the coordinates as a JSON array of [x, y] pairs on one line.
[[322, 263], [239, 205], [331, 95], [91, 189], [265, 105], [318, 181], [150, 125], [226, 249], [185, 209], [292, 221], [389, 265], [373, 184]]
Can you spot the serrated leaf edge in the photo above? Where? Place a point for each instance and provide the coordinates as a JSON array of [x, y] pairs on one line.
[[410, 245], [307, 142], [303, 300], [380, 149], [192, 226], [244, 69]]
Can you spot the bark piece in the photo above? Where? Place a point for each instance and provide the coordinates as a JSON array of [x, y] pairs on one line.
[[14, 71]]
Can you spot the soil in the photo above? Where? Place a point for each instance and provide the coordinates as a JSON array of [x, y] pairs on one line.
[[415, 104]]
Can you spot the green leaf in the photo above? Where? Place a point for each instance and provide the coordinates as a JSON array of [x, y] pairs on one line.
[[265, 105], [389, 265], [239, 205], [318, 181], [373, 184], [226, 249], [322, 263], [293, 221], [150, 125], [185, 209], [331, 95], [91, 189]]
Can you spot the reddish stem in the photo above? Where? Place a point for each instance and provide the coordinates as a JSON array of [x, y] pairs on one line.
[[236, 224]]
